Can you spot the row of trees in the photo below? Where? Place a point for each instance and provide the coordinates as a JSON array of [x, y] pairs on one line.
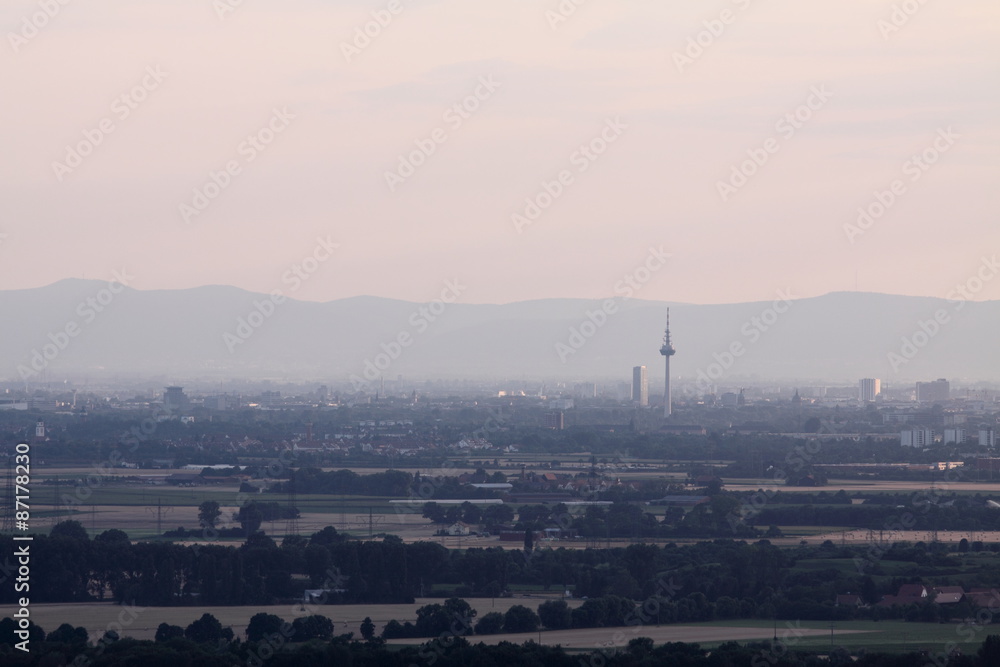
[[702, 581], [456, 651]]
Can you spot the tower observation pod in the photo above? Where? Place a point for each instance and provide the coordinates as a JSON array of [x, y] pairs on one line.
[[667, 350]]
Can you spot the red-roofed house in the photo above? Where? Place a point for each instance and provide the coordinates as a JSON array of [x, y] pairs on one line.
[[948, 594]]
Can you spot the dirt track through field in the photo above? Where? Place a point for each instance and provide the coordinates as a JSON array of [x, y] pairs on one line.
[[598, 638]]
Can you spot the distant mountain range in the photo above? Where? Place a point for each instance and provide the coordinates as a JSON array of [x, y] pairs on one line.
[[224, 332]]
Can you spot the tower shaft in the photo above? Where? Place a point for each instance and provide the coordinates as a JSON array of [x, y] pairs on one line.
[[667, 350], [667, 405]]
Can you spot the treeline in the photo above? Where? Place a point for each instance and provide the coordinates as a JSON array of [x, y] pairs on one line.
[[394, 483], [720, 579], [455, 651], [391, 483], [922, 510]]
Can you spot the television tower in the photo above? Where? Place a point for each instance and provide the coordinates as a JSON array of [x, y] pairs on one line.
[[667, 350]]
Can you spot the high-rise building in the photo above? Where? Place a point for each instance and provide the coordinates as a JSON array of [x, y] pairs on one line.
[[987, 437], [640, 386], [954, 434], [667, 350], [868, 389], [174, 399], [920, 436], [930, 392]]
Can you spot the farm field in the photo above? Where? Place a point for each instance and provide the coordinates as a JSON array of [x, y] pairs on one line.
[[137, 508], [706, 634], [883, 636], [890, 636], [850, 485]]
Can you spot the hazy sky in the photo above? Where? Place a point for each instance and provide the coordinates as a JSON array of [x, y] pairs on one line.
[[671, 119]]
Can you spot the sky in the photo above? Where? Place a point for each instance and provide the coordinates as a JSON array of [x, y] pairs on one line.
[[526, 149]]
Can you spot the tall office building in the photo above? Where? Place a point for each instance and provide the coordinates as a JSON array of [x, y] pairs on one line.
[[667, 350], [640, 386], [929, 392], [869, 388], [174, 399]]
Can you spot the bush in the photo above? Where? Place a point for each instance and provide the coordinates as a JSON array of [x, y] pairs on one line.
[[520, 619], [312, 627], [67, 634], [261, 625], [165, 632], [205, 629], [555, 614], [490, 624]]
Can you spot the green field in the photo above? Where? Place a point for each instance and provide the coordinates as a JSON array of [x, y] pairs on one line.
[[881, 636]]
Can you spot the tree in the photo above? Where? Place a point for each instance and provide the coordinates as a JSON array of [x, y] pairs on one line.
[[250, 518], [312, 627], [113, 536], [555, 614], [453, 617], [471, 513], [490, 624], [165, 632], [520, 619], [989, 652], [8, 627], [529, 541], [67, 634], [205, 629], [261, 625], [71, 529], [209, 513], [367, 629], [434, 512], [498, 514]]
